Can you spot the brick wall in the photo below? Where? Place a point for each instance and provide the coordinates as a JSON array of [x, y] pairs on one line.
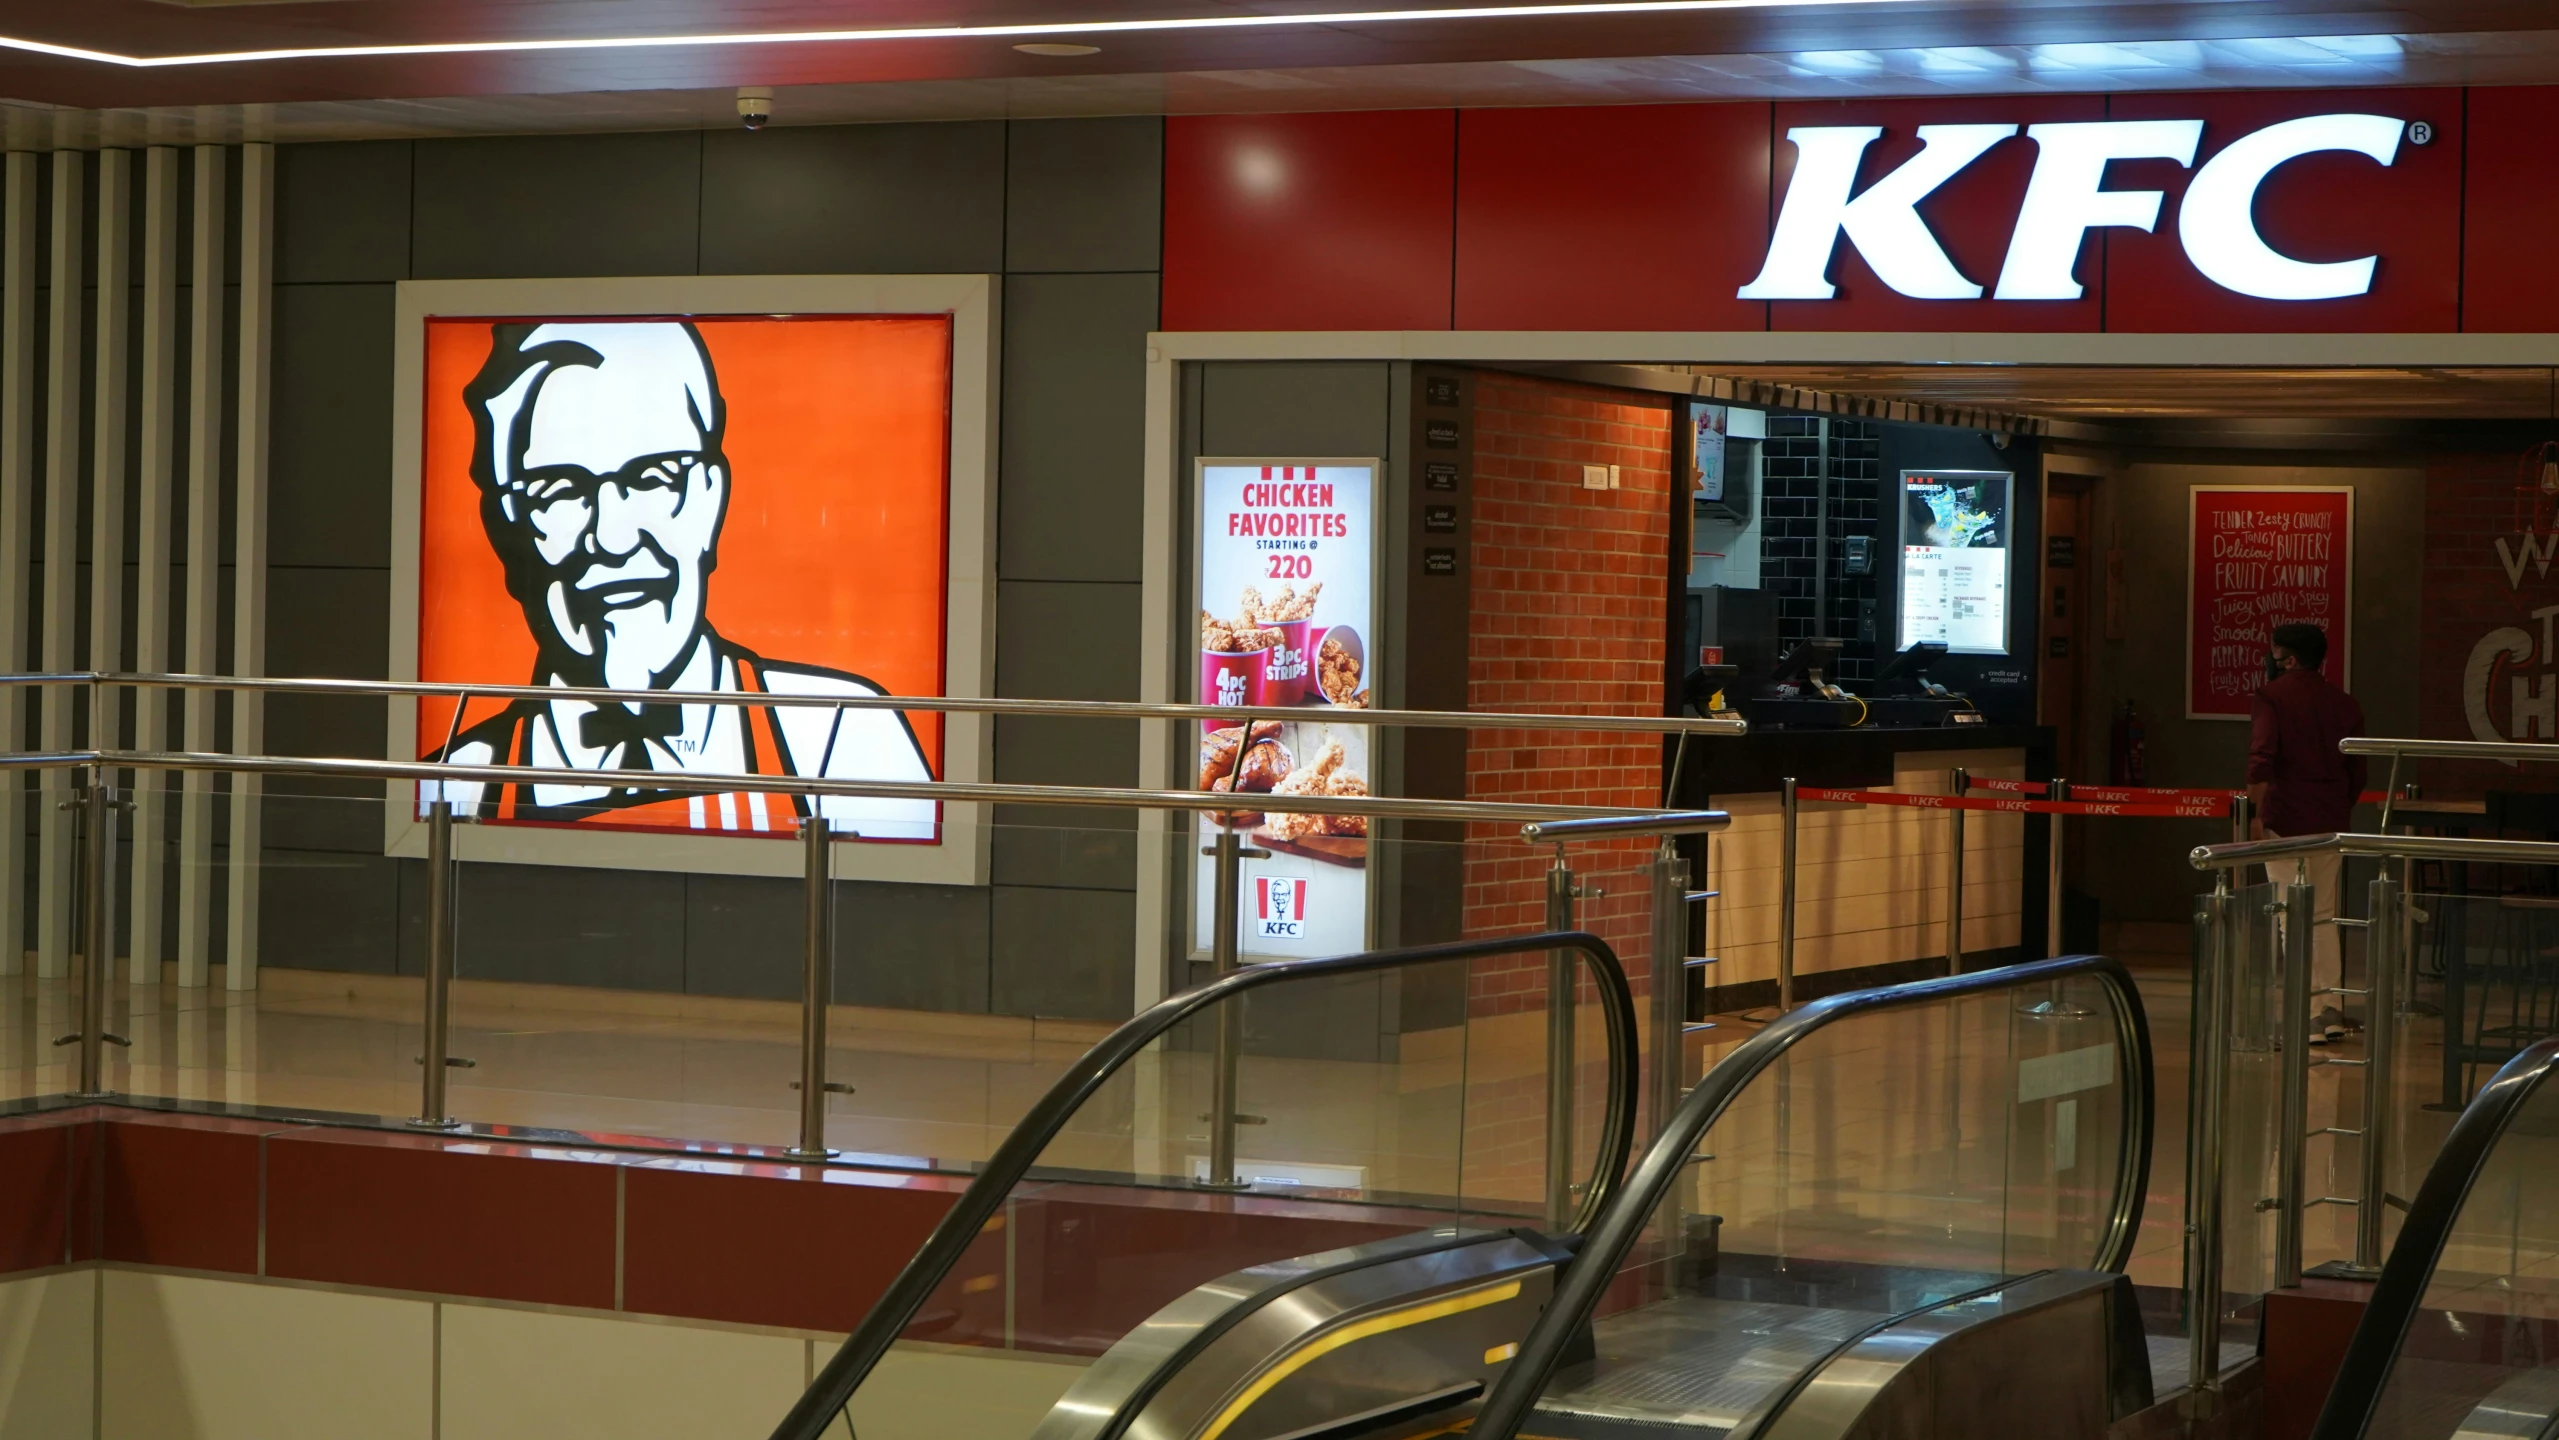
[[1567, 611], [2478, 605]]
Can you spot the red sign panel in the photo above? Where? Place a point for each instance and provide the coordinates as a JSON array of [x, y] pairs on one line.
[[2262, 558]]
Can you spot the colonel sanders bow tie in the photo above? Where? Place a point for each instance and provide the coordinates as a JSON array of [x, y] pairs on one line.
[[617, 728]]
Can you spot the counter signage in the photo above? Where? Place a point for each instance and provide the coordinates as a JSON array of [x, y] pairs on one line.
[[1954, 560], [2259, 559], [1287, 618]]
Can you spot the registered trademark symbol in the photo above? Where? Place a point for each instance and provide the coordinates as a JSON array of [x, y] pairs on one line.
[[2420, 133]]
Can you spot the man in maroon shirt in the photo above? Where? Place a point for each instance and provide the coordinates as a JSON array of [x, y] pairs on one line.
[[2299, 785]]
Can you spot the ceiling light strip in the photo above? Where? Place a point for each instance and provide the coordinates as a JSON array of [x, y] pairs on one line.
[[935, 32]]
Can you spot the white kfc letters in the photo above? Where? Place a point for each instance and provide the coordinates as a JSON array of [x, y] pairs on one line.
[[2065, 198]]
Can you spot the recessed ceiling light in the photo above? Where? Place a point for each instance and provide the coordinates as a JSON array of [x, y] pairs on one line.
[[1060, 52]]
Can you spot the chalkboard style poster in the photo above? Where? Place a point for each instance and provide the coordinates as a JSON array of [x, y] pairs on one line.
[[2258, 559]]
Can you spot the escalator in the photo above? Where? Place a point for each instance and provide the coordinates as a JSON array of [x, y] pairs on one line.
[[2460, 1340], [1880, 1203]]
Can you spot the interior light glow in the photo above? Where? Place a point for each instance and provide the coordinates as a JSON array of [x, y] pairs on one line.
[[2065, 198], [1882, 222], [2217, 221], [919, 32]]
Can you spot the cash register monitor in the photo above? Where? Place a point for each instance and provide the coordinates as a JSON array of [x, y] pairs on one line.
[[1912, 663], [1807, 656]]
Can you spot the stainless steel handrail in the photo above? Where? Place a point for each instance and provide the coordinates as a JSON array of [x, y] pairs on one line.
[[2449, 749], [956, 705], [954, 791], [2239, 853], [821, 1406], [1600, 827], [1606, 1246]]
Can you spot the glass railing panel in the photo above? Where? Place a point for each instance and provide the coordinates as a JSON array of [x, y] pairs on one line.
[[2481, 1352]]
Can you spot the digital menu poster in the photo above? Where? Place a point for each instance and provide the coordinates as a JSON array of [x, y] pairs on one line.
[[1954, 559], [2259, 559], [1287, 620]]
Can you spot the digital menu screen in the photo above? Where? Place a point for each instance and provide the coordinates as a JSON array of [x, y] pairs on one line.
[[1954, 559]]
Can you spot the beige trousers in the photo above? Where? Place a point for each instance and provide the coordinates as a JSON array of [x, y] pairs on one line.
[[2327, 943]]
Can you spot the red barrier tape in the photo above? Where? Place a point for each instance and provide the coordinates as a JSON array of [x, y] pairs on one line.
[[2013, 807]]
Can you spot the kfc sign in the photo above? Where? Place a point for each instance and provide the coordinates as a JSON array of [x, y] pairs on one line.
[[2065, 198]]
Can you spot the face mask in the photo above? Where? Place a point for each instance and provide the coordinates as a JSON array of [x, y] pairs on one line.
[[2274, 666]]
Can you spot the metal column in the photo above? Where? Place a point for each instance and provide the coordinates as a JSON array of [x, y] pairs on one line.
[[1560, 892], [1225, 957], [817, 952], [1790, 815], [2058, 790], [2222, 920], [17, 520], [2383, 959], [57, 852], [97, 940], [203, 603], [1956, 783], [249, 555], [439, 968], [155, 504], [2295, 1115]]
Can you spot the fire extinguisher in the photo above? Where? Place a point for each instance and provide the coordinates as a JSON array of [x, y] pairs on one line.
[[2128, 760]]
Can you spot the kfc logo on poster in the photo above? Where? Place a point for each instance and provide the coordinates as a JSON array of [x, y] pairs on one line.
[[721, 506], [1279, 907], [2065, 199]]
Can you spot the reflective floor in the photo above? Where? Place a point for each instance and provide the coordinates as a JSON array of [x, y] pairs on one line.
[[1451, 1113]]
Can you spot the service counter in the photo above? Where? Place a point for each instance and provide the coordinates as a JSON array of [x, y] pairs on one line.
[[1871, 881]]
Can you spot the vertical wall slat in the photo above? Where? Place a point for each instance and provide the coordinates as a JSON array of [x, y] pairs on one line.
[[249, 551], [107, 447], [17, 518], [155, 503], [204, 565], [61, 605]]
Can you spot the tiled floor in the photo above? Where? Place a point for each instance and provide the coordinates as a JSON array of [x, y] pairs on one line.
[[1895, 1135]]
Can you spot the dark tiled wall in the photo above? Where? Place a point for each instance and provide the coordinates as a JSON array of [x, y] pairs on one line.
[[1068, 211], [1822, 478]]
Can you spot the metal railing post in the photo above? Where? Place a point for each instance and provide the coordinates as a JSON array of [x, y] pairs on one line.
[[1670, 978], [2293, 1135], [2382, 961], [2205, 1117], [1790, 814], [2059, 789], [1224, 950], [97, 966], [817, 955], [2239, 817], [439, 967], [1956, 783], [1560, 893]]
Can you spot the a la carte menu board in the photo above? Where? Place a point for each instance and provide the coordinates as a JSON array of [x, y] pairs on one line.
[[2262, 558], [1954, 559], [1287, 610]]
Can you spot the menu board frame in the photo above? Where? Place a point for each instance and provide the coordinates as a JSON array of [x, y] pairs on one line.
[[2340, 666], [1374, 649], [1902, 638]]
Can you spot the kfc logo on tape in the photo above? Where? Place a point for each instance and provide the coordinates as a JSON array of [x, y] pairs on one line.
[[1279, 908], [2065, 199]]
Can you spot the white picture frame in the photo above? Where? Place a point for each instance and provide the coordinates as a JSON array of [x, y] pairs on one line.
[[961, 857]]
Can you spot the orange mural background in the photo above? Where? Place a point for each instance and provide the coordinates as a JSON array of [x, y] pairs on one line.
[[835, 550]]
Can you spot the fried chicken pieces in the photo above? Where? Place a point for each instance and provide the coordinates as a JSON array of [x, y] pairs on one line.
[[1324, 775]]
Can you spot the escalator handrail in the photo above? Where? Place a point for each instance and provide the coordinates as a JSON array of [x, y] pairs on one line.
[[1606, 1244], [853, 1361], [2410, 1267]]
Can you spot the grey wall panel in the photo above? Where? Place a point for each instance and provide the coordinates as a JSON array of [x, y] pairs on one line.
[[1063, 953], [342, 212], [322, 813], [913, 947], [1066, 642], [742, 936], [557, 205], [1072, 493], [882, 199], [1313, 408], [562, 926], [329, 468], [1070, 847], [328, 912], [334, 622], [1085, 194]]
